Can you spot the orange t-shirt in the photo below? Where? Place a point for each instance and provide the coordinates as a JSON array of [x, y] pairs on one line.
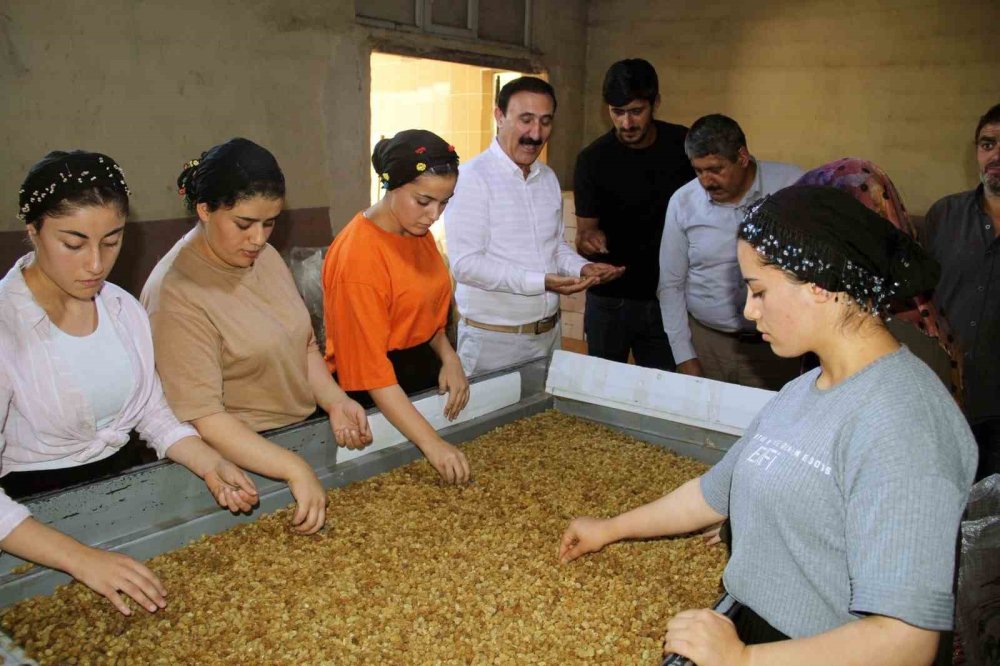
[[381, 292]]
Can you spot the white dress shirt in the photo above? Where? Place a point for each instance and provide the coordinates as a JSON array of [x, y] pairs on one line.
[[504, 233], [698, 268]]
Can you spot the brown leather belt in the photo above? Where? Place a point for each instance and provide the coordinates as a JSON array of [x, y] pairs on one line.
[[748, 337], [533, 328], [745, 336]]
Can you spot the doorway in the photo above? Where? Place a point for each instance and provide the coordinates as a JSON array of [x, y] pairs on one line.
[[450, 99], [456, 102]]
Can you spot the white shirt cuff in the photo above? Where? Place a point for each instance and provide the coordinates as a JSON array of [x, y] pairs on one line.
[[534, 283]]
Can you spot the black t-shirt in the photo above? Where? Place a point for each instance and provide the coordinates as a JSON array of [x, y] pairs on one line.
[[627, 189]]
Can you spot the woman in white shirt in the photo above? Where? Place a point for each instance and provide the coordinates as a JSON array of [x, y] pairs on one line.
[[77, 372]]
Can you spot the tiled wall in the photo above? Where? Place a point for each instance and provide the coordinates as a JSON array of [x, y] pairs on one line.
[[452, 100], [572, 306]]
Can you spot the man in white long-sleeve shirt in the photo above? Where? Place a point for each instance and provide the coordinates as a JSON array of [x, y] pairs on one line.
[[505, 239], [701, 290]]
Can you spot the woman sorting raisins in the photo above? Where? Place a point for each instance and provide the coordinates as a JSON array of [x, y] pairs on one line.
[[846, 491]]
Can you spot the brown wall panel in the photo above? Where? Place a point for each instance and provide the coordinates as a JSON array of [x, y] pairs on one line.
[[145, 243]]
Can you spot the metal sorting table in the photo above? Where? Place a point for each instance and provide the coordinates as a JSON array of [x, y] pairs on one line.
[[159, 507]]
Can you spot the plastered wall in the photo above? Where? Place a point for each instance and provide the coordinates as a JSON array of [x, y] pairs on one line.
[[900, 82], [153, 83]]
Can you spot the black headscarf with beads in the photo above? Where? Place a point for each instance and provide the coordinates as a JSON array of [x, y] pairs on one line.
[[410, 154], [825, 236]]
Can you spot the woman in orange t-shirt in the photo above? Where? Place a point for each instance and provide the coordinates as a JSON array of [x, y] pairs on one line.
[[386, 293]]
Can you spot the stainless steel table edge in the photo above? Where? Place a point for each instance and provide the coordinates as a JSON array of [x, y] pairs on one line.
[[156, 536], [693, 441], [160, 536]]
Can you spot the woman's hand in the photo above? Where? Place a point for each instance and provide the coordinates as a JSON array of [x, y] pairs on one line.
[[712, 535], [349, 424], [310, 514], [705, 637], [110, 573], [231, 487], [585, 535], [449, 462], [452, 380]]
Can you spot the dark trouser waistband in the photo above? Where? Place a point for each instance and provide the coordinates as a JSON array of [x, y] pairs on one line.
[[749, 337], [416, 369], [33, 482]]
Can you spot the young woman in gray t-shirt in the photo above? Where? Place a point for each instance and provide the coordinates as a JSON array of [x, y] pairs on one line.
[[846, 492]]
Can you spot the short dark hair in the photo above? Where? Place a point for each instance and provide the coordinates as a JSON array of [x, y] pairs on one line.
[[531, 84], [989, 118], [629, 80], [714, 134]]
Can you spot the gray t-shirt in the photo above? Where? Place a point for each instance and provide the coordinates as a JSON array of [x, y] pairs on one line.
[[847, 501]]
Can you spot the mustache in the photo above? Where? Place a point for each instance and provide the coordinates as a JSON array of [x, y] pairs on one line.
[[528, 141], [992, 165]]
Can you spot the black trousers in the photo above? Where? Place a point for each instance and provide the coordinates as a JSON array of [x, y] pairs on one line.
[[753, 629], [416, 369], [987, 434], [24, 484], [616, 326]]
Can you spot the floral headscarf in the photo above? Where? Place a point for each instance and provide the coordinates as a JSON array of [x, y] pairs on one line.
[[871, 185]]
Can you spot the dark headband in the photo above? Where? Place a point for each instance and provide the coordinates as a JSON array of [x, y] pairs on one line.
[[410, 153], [825, 236], [60, 175]]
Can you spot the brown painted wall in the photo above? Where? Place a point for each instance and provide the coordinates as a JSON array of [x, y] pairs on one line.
[[900, 82], [154, 83], [145, 243]]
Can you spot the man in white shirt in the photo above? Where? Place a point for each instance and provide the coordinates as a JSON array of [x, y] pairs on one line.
[[506, 242], [701, 290]]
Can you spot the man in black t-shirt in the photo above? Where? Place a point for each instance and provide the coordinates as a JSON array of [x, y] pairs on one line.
[[622, 183]]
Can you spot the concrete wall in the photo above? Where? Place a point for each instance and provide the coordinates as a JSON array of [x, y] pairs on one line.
[[153, 83], [900, 82]]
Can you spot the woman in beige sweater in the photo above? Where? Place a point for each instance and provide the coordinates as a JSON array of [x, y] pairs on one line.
[[235, 346]]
